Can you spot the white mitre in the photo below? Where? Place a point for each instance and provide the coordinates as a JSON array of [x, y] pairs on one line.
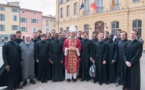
[[73, 28]]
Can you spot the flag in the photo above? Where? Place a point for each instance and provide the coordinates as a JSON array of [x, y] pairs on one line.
[[94, 6], [113, 3], [82, 6]]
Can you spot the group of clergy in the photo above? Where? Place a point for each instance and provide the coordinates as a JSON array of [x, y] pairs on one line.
[[56, 56]]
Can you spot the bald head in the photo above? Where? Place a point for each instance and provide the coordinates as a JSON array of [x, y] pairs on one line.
[[27, 38]]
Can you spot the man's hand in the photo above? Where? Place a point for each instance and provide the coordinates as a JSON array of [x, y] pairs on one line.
[[8, 68], [128, 64], [104, 62], [22, 62], [37, 61], [91, 59], [51, 61], [113, 61], [61, 61]]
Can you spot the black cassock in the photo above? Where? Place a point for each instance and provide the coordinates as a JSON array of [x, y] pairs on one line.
[[18, 41], [85, 62], [117, 39], [44, 70], [106, 40], [112, 55], [11, 57], [52, 39], [36, 64], [62, 41], [80, 38], [120, 64], [48, 40], [133, 55], [100, 54], [56, 55], [93, 41]]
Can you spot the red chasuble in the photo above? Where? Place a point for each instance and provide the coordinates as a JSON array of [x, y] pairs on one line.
[[72, 59]]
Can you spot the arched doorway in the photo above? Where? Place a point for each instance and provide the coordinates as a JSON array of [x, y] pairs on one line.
[[99, 27]]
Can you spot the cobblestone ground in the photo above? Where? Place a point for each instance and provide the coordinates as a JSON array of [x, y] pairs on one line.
[[79, 85]]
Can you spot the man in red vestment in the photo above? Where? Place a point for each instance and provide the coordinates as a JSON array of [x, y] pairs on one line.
[[71, 48]]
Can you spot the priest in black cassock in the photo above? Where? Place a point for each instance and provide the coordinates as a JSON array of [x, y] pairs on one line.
[[34, 40], [56, 59], [111, 58], [80, 35], [39, 32], [48, 37], [18, 37], [52, 35], [106, 34], [117, 38], [100, 57], [120, 68], [132, 60], [35, 37], [42, 56], [12, 64], [85, 62], [64, 36]]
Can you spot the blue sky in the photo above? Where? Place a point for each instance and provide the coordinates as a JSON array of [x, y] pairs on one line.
[[46, 6]]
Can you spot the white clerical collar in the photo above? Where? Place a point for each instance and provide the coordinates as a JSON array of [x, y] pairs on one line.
[[72, 38], [27, 42]]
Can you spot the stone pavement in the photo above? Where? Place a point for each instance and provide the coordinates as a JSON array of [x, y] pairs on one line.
[[79, 85]]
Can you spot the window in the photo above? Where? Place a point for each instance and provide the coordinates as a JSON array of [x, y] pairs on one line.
[[61, 1], [14, 10], [61, 12], [23, 20], [34, 12], [34, 20], [34, 29], [135, 0], [75, 8], [67, 29], [47, 22], [47, 30], [2, 8], [116, 6], [2, 17], [14, 18], [99, 3], [2, 27], [23, 11], [87, 5], [68, 11], [23, 29], [15, 27], [67, 0], [115, 26], [137, 25]]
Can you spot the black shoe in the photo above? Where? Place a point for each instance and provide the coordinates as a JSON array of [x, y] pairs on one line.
[[32, 81], [101, 83], [19, 87], [24, 83], [117, 84], [82, 80], [95, 81], [74, 80], [68, 80], [87, 80]]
